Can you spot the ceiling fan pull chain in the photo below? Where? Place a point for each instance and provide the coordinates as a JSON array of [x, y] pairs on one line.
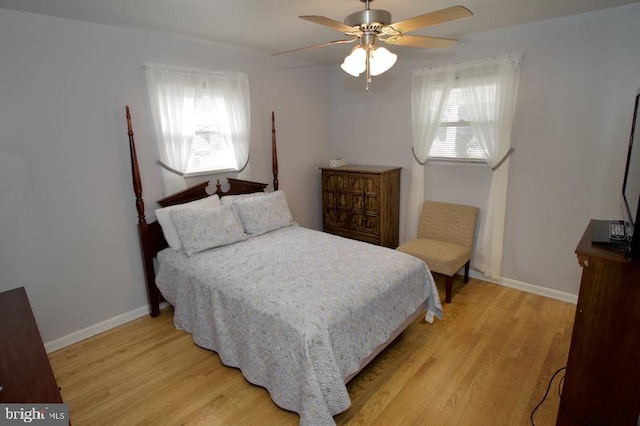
[[368, 69]]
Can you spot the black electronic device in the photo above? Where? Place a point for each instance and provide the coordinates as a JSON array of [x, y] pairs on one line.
[[631, 185], [610, 233], [619, 234]]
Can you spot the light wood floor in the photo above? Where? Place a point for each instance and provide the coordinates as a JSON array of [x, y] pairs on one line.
[[487, 363]]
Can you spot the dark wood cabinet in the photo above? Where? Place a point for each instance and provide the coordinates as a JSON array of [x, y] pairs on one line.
[[363, 203], [25, 372], [602, 381]]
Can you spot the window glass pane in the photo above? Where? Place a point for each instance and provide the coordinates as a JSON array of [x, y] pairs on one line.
[[455, 110], [455, 138], [456, 142], [211, 148]]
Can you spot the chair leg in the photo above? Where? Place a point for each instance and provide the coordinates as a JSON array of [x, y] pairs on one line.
[[466, 271], [448, 288]]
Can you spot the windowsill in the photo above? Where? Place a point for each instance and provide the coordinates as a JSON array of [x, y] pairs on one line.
[[456, 161], [209, 172]]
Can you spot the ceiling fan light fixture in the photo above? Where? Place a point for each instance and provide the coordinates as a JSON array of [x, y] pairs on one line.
[[356, 62], [369, 26], [381, 60]]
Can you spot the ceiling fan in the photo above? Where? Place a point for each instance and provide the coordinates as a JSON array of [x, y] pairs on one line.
[[369, 26]]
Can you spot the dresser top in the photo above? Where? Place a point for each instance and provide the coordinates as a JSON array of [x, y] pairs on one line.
[[587, 249], [361, 169]]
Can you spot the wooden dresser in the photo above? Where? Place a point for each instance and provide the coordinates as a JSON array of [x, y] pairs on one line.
[[363, 203], [602, 381], [25, 372]]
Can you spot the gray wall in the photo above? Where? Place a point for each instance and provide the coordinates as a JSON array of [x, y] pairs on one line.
[[571, 132], [67, 215]]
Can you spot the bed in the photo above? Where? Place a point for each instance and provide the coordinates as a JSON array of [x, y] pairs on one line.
[[298, 311]]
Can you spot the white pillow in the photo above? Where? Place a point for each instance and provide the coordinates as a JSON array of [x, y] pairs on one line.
[[264, 214], [203, 229], [229, 199], [163, 215]]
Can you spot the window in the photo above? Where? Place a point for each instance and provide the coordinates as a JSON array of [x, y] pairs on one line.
[[211, 147], [202, 121], [455, 110], [455, 138]]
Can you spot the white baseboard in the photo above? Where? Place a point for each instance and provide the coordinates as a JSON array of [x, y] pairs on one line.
[[529, 288], [98, 328], [542, 291]]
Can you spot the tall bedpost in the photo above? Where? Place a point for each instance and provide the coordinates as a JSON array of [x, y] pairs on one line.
[[143, 227], [274, 152], [135, 172]]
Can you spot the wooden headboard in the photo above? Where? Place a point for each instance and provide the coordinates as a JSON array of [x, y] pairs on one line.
[[151, 237]]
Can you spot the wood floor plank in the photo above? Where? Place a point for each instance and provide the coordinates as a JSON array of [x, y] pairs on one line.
[[488, 361]]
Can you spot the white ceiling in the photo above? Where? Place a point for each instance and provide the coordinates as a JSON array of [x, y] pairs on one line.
[[271, 26]]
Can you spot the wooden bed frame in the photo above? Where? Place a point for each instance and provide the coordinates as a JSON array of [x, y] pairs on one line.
[[151, 237]]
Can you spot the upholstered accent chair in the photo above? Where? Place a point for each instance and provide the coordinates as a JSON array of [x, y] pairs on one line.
[[446, 233]]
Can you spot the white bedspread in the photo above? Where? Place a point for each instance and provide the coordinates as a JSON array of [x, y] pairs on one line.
[[296, 310]]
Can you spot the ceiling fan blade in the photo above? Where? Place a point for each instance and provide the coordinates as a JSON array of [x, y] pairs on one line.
[[327, 22], [419, 41], [330, 43], [432, 18]]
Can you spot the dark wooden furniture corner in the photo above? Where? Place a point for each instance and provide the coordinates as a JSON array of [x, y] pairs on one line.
[[25, 373], [602, 381]]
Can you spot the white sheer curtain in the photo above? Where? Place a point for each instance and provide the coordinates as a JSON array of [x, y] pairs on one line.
[[429, 92], [230, 92], [490, 89], [175, 94]]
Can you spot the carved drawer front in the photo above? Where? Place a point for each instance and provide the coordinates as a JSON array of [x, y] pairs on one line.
[[337, 200], [335, 191], [368, 224], [334, 217], [365, 183], [365, 206], [365, 203], [336, 181]]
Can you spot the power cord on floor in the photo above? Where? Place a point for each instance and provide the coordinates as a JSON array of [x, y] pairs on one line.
[[562, 406], [533, 412]]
